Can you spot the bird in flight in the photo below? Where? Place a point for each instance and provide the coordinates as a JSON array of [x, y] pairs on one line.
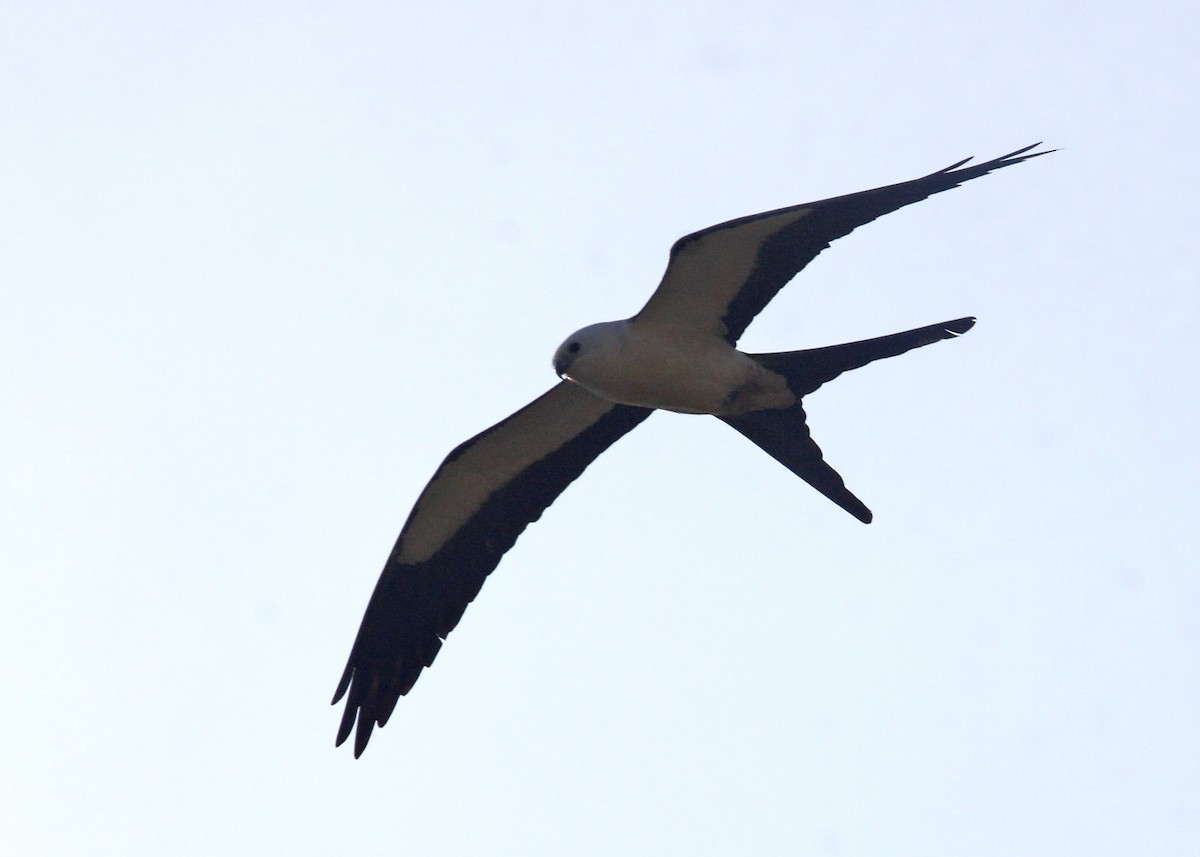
[[678, 353]]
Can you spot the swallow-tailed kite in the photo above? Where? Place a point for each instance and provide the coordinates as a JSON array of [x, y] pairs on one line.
[[677, 353]]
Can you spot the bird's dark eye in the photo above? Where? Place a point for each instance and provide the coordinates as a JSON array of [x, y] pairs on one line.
[[573, 348]]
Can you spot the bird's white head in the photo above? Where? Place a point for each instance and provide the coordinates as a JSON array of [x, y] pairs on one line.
[[590, 345]]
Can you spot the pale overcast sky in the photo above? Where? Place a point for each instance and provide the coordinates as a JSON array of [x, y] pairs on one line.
[[262, 265]]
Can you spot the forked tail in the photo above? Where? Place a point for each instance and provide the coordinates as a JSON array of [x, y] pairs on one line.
[[783, 434]]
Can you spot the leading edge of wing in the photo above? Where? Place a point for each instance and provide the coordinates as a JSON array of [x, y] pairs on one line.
[[486, 492], [719, 278]]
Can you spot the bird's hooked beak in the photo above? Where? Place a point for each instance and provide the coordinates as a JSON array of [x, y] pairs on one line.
[[561, 364]]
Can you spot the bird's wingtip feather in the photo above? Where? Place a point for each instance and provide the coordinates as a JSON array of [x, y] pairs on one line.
[[343, 685]]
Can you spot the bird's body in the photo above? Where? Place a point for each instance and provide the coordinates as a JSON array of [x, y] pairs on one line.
[[636, 362], [678, 353]]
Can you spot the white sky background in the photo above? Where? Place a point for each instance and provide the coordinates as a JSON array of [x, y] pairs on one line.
[[263, 265]]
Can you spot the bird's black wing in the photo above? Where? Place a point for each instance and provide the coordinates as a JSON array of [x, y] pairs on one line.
[[718, 279], [479, 501]]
